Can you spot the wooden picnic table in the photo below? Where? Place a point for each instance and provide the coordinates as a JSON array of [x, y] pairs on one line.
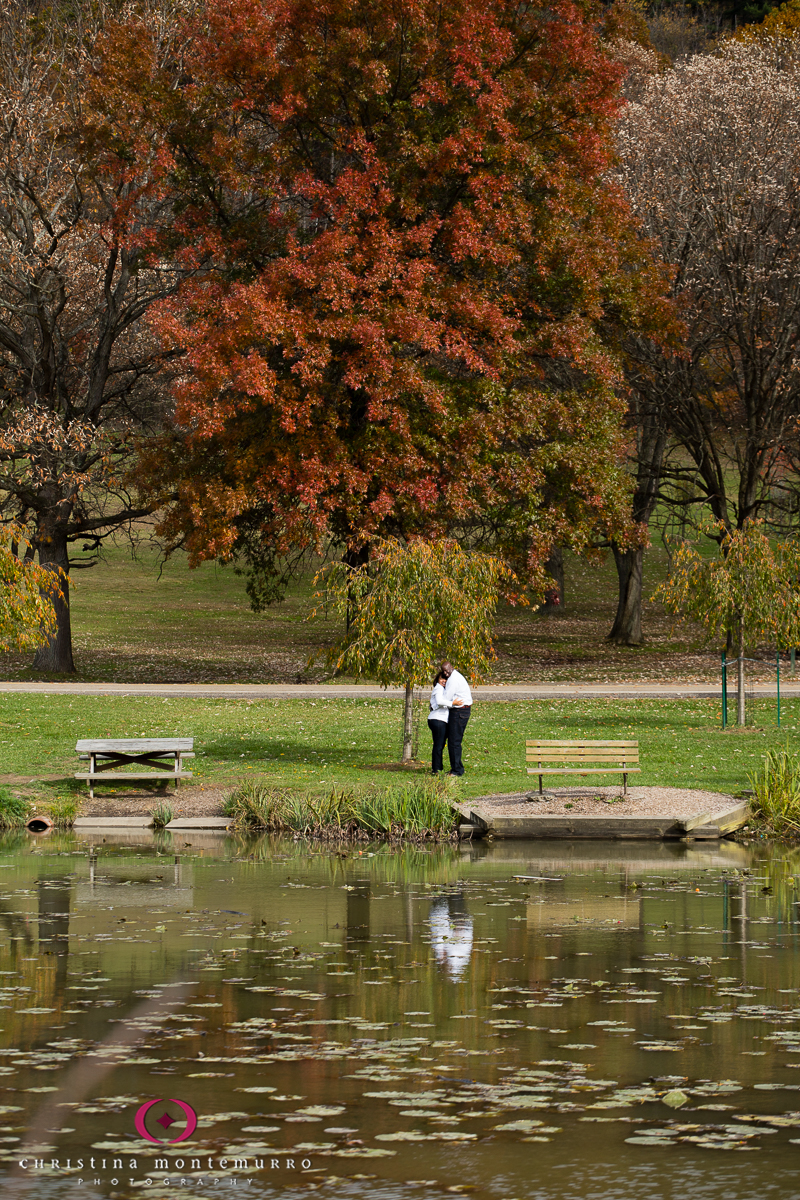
[[105, 754]]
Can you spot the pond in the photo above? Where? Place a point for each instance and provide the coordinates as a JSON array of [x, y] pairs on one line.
[[509, 1021]]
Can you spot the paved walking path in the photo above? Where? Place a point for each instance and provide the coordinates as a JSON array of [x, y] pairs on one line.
[[349, 691]]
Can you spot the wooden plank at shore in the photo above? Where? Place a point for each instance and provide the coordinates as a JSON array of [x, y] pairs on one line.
[[726, 819], [469, 814], [732, 818]]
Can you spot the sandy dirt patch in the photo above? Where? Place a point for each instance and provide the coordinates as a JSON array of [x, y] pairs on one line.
[[604, 801], [186, 802]]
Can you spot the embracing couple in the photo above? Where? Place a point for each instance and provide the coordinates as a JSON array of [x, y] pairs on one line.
[[451, 704]]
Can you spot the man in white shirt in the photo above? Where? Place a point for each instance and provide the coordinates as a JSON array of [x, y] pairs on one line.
[[458, 699]]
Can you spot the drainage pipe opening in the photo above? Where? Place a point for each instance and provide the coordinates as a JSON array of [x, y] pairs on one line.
[[39, 825]]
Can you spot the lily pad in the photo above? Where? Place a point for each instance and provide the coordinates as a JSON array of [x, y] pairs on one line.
[[644, 1140], [322, 1110]]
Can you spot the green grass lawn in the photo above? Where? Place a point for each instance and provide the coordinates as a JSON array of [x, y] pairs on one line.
[[313, 744]]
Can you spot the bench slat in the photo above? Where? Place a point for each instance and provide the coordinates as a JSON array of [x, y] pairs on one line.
[[584, 770], [599, 755], [577, 742], [583, 762], [600, 758], [107, 777]]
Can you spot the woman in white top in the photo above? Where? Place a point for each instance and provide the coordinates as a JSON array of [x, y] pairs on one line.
[[437, 723]]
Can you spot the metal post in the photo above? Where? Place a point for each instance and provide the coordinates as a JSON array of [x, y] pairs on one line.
[[724, 692], [778, 682], [791, 659]]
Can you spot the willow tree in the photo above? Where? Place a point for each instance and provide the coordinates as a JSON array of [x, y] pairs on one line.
[[747, 591], [410, 607]]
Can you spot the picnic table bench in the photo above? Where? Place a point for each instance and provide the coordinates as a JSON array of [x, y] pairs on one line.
[[104, 754], [589, 758]]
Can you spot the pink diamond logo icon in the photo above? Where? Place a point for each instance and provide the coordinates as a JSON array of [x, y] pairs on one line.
[[166, 1120]]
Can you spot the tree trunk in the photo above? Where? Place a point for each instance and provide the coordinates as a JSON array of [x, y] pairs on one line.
[[651, 443], [56, 656], [740, 712], [627, 627], [554, 597], [354, 558], [408, 722]]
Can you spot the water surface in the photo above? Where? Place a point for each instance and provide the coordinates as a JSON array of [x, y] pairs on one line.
[[510, 1021]]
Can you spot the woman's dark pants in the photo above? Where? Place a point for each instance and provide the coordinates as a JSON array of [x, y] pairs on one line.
[[439, 734]]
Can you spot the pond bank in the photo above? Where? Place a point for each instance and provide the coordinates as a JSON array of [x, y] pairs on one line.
[[428, 809], [603, 812]]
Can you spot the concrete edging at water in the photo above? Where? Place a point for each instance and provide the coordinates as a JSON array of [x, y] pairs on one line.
[[482, 821]]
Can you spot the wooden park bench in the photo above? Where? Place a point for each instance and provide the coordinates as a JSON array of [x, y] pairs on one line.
[[105, 754], [585, 758]]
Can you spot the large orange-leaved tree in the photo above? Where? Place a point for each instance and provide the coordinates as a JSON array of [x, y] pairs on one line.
[[406, 270]]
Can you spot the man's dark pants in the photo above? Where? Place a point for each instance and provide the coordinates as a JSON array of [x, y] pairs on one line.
[[439, 734], [455, 736]]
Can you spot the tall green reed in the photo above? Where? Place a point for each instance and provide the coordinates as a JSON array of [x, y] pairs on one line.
[[418, 809], [775, 803]]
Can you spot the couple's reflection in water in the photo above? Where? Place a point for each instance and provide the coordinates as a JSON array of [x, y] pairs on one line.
[[451, 929]]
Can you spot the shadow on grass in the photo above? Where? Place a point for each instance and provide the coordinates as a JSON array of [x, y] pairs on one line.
[[254, 750]]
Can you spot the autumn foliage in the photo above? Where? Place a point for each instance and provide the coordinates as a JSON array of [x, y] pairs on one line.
[[27, 615], [411, 607], [710, 159], [79, 367], [408, 274]]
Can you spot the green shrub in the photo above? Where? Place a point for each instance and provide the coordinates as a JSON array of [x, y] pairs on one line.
[[417, 809], [62, 811], [162, 814], [775, 804], [14, 810]]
